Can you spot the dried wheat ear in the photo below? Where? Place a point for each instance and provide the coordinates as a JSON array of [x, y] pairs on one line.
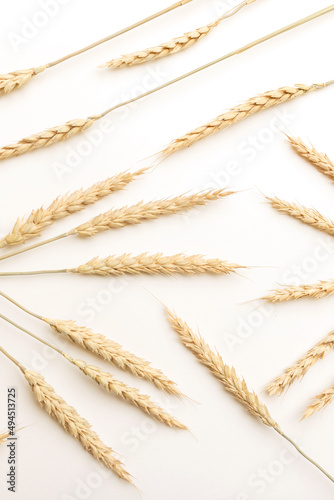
[[320, 160], [173, 46], [296, 292], [230, 381]]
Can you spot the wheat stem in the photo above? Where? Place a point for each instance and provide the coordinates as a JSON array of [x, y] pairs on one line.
[[15, 361], [10, 299], [73, 127]]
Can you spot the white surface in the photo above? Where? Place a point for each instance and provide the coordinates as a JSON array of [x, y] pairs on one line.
[[227, 451]]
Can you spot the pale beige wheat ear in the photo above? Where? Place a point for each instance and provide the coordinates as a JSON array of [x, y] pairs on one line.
[[16, 79], [173, 46], [296, 292], [320, 402], [130, 394], [309, 216], [230, 381], [135, 214], [238, 113], [320, 160], [47, 137], [114, 353], [73, 423], [31, 226], [302, 366]]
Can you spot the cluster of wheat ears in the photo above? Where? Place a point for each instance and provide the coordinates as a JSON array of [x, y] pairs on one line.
[[38, 220]]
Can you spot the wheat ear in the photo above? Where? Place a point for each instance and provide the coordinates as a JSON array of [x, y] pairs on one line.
[[302, 366], [114, 353], [73, 423], [317, 291], [134, 214], [238, 113], [320, 402], [47, 137], [319, 160], [309, 216], [17, 79], [31, 226], [70, 419], [142, 264], [110, 384], [172, 46], [230, 381]]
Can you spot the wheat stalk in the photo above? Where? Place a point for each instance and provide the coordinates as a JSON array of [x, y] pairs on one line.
[[320, 402], [238, 113], [319, 160], [31, 226], [309, 216], [113, 352], [70, 419], [134, 214], [17, 79], [302, 366], [172, 46], [110, 384], [229, 379], [73, 423], [73, 127], [317, 291]]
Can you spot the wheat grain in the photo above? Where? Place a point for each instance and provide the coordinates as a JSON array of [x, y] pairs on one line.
[[319, 160], [154, 264], [309, 216], [108, 382], [141, 211], [113, 352], [73, 423], [31, 226], [17, 79], [320, 402], [47, 137], [225, 374], [302, 366], [317, 291], [239, 113]]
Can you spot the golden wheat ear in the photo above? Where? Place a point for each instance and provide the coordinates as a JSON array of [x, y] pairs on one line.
[[16, 79], [320, 402]]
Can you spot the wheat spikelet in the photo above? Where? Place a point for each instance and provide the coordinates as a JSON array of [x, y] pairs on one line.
[[31, 226], [113, 352], [226, 375], [47, 137], [108, 382], [17, 79], [309, 216], [73, 423], [319, 160], [238, 113], [317, 291], [135, 214], [302, 366], [320, 401], [165, 49], [154, 264]]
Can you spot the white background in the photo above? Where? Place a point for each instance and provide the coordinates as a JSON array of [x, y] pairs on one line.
[[227, 450]]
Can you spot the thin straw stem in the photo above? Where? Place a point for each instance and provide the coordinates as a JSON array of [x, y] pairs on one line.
[[305, 456], [226, 56], [31, 334], [30, 273], [120, 32], [15, 361], [35, 245], [5, 296]]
